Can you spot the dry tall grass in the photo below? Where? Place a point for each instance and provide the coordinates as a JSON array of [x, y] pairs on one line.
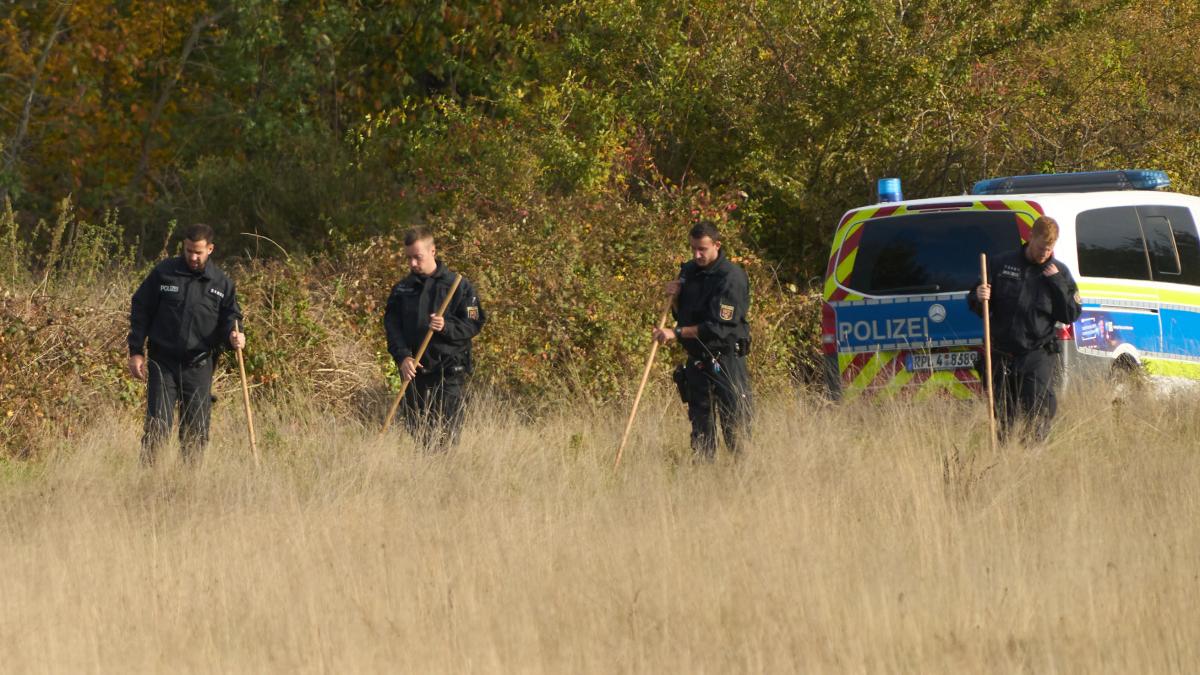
[[853, 539]]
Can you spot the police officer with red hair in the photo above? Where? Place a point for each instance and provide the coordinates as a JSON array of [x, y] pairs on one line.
[[1029, 292]]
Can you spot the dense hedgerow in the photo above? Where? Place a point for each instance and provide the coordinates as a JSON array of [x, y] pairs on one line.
[[571, 286]]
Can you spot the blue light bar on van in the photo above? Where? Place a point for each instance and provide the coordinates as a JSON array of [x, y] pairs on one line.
[[1083, 181], [888, 190]]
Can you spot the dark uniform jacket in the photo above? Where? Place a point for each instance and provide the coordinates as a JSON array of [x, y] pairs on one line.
[[1025, 303], [406, 320], [715, 299], [185, 314]]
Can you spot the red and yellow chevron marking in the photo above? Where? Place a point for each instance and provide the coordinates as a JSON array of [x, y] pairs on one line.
[[883, 373]]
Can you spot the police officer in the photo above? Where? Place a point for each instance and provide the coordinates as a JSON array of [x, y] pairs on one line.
[[433, 402], [1029, 290], [186, 308], [712, 298]]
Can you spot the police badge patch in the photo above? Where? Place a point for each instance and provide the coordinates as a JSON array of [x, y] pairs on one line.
[[726, 312], [473, 313], [1078, 299]]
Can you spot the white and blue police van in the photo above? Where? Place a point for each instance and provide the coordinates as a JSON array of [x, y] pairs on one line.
[[894, 312]]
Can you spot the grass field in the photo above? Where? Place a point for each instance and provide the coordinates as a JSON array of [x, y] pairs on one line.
[[868, 538]]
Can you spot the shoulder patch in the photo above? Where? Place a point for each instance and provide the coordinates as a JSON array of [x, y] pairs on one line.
[[1078, 298], [473, 313], [726, 312]]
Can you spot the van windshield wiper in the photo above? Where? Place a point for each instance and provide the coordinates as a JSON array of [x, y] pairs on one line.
[[929, 288]]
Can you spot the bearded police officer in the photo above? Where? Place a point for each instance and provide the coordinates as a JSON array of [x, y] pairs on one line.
[[433, 401], [1029, 291], [186, 309], [712, 298]]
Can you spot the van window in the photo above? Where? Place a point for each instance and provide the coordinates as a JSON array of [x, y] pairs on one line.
[[930, 252], [1110, 244], [1183, 233]]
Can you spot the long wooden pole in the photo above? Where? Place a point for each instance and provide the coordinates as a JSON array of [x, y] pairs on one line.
[[387, 421], [246, 400], [662, 322], [987, 355]]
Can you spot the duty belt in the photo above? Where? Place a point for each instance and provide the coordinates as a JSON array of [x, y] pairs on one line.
[[163, 355], [718, 353], [442, 371], [1048, 348]]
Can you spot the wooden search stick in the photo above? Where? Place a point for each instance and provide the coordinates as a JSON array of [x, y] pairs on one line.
[[662, 322], [987, 354], [387, 421], [246, 401]]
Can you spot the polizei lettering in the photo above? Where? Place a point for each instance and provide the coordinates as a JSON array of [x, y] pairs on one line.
[[910, 329]]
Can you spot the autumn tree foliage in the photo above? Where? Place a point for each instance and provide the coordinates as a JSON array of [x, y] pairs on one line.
[[313, 121]]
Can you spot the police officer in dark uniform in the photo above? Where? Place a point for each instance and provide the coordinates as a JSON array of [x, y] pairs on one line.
[[1029, 291], [186, 308], [433, 402], [712, 298]]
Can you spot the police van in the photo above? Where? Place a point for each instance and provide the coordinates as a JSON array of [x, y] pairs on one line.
[[895, 319]]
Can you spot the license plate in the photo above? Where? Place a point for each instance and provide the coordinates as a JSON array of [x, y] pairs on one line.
[[942, 361]]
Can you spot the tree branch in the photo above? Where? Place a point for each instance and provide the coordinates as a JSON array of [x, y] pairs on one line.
[[772, 44]]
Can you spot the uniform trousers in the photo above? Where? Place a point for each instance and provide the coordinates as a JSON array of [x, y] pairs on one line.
[[715, 388], [433, 408], [1023, 394], [171, 384]]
